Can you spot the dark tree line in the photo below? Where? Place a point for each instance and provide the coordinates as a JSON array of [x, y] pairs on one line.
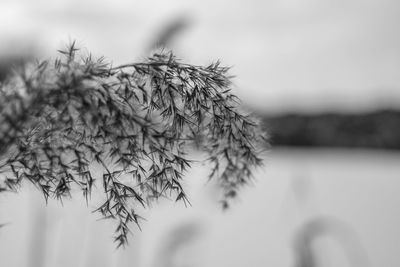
[[378, 129]]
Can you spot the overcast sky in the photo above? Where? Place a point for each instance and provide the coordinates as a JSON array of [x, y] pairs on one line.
[[286, 54]]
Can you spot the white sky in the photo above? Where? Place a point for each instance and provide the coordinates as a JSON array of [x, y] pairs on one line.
[[286, 54]]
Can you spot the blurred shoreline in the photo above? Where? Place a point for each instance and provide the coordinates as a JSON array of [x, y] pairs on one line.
[[376, 130]]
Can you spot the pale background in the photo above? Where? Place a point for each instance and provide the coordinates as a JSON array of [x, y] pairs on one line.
[[286, 53]]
